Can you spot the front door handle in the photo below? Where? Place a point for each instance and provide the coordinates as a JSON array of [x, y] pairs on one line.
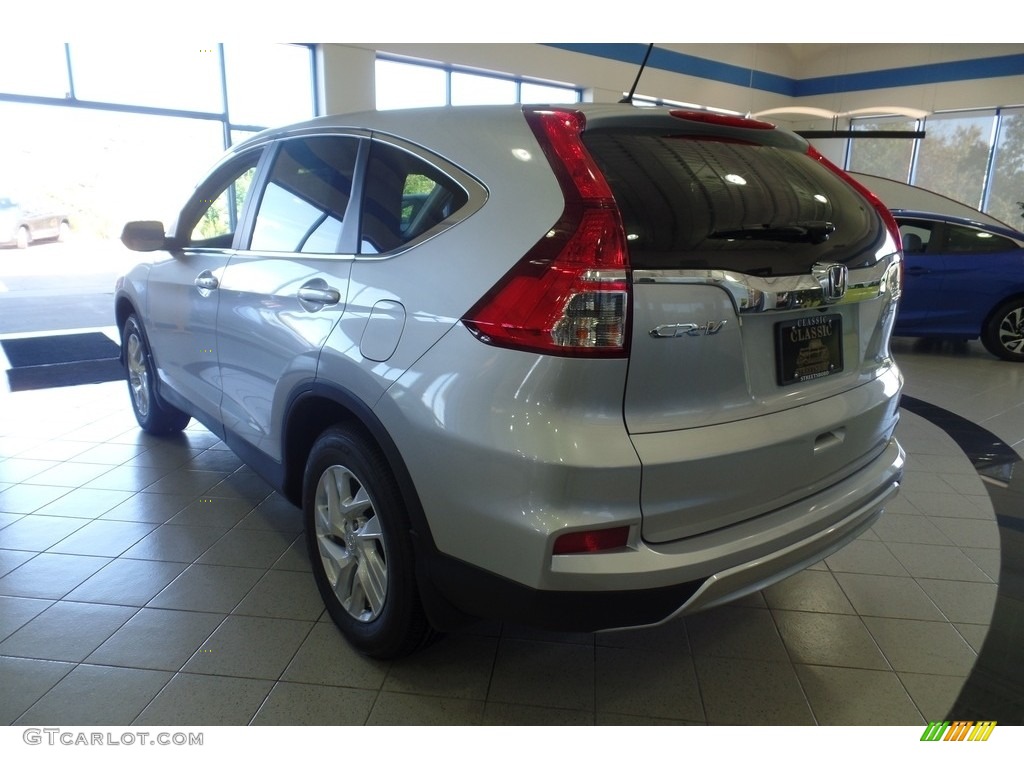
[[320, 295], [206, 281], [317, 293]]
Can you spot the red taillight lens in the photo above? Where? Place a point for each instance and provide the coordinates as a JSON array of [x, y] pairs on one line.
[[591, 541], [569, 295]]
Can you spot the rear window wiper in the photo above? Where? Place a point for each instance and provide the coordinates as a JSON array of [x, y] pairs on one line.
[[797, 232]]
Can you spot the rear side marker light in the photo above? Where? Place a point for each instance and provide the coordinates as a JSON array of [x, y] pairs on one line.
[[583, 542], [569, 295]]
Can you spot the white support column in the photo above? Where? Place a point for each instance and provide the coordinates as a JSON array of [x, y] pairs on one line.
[[346, 81]]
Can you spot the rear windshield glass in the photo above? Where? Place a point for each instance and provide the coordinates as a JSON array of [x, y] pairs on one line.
[[703, 202]]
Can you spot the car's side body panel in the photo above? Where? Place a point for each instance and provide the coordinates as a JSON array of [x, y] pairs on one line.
[[180, 319], [269, 337]]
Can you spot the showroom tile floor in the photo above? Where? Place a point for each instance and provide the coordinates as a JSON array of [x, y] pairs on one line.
[[159, 581]]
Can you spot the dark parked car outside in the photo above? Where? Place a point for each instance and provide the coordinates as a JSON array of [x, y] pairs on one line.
[[21, 225]]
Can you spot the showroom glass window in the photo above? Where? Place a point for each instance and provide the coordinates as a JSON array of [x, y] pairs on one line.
[[307, 195], [975, 157], [888, 158], [119, 131], [150, 73], [537, 93], [480, 89], [33, 68], [1007, 182], [953, 157], [404, 197], [405, 84], [268, 84]]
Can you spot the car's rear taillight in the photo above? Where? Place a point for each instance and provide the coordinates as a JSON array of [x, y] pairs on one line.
[[569, 295]]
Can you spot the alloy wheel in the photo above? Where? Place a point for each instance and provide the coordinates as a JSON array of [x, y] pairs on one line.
[[351, 543], [1011, 331], [138, 374]]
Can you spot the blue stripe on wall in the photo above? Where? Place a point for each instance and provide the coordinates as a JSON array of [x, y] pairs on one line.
[[695, 66], [684, 64], [944, 72]]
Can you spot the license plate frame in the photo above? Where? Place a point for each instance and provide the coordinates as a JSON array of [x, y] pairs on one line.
[[808, 348]]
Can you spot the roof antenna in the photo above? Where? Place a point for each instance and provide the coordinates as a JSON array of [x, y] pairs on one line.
[[628, 98]]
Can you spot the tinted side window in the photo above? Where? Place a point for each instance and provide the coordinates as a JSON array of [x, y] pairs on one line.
[[961, 239], [692, 202], [306, 197], [916, 235], [405, 197], [213, 215]]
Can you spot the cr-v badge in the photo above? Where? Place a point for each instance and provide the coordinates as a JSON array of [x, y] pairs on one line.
[[672, 330]]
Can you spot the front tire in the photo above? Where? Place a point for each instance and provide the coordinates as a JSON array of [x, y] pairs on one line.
[[1003, 334], [360, 546], [24, 237], [153, 416]]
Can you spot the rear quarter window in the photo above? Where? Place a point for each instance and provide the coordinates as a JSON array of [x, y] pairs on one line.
[[405, 197], [700, 202]]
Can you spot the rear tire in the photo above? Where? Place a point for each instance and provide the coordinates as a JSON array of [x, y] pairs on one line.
[[360, 546], [24, 237], [153, 416], [1003, 334]]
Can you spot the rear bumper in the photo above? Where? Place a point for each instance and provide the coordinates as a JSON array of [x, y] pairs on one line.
[[651, 583]]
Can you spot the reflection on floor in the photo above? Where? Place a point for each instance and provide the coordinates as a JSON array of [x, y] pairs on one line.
[[147, 581]]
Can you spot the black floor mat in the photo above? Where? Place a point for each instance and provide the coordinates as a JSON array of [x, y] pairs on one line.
[[51, 350], [61, 361]]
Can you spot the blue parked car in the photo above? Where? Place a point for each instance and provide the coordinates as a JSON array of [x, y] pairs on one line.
[[964, 279]]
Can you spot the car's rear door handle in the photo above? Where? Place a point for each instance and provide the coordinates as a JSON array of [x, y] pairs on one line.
[[326, 295], [207, 281], [917, 270]]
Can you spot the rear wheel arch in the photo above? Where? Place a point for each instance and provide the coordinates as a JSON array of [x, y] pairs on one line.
[[360, 545], [322, 406]]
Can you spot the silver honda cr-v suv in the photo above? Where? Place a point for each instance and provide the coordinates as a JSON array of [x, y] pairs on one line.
[[582, 367]]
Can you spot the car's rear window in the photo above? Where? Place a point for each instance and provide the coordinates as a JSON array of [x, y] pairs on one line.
[[699, 202]]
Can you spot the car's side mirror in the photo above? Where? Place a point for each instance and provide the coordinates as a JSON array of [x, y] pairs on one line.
[[145, 236]]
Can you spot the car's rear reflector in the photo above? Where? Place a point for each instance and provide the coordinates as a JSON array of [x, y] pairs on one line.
[[579, 542]]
